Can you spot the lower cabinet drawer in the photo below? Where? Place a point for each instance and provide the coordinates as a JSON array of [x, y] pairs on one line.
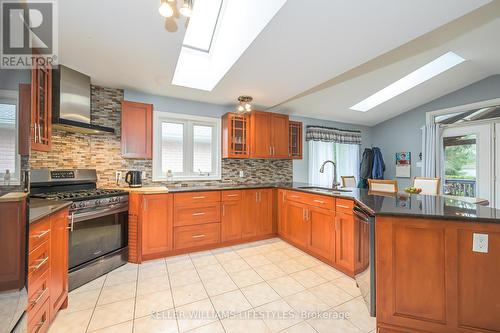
[[39, 321], [196, 235], [39, 233], [38, 261], [38, 292], [196, 214], [344, 206]]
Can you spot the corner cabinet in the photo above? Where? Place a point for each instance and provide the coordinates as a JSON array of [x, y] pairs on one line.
[[295, 140], [235, 130], [137, 130], [41, 108]]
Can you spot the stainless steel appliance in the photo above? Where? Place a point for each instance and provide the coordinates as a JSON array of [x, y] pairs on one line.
[[133, 178], [99, 221], [365, 279], [71, 102]]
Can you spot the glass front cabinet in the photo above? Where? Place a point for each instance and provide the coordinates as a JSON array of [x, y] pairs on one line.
[[295, 142], [41, 108], [235, 131]]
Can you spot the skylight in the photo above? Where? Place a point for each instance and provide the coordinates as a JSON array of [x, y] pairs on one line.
[[217, 35], [424, 73], [202, 25]]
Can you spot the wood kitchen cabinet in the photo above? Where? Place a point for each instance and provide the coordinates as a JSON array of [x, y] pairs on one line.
[[58, 262], [41, 107], [156, 226], [231, 215], [321, 232], [281, 212], [297, 229], [235, 136], [429, 279], [268, 135], [150, 226], [344, 241], [257, 213], [137, 130], [47, 269], [295, 140]]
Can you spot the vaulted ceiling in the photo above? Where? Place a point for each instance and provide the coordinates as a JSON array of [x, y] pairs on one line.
[[315, 58]]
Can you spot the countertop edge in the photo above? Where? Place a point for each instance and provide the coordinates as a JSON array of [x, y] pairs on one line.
[[50, 211]]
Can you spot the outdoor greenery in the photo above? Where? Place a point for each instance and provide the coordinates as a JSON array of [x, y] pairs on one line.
[[459, 159]]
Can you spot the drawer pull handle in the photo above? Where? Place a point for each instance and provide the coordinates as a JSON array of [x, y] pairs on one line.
[[343, 206], [232, 195], [41, 234], [40, 264], [319, 201], [198, 236], [199, 197], [198, 214], [34, 302]]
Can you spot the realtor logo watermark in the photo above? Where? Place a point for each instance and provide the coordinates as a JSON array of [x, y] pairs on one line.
[[29, 33]]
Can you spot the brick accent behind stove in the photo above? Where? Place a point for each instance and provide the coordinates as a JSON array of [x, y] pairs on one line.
[[103, 152]]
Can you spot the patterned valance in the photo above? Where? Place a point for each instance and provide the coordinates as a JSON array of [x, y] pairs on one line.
[[329, 134]]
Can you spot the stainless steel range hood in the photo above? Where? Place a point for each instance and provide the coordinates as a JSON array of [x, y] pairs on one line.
[[71, 102]]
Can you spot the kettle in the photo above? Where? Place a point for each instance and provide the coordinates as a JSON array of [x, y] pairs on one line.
[[133, 178]]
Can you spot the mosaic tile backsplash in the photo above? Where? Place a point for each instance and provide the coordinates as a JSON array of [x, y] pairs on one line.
[[103, 152]]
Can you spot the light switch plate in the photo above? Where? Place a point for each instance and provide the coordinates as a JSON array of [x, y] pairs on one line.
[[480, 243], [242, 173]]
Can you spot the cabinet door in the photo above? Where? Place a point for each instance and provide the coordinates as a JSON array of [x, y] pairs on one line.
[[295, 140], [322, 234], [58, 261], [231, 220], [344, 242], [260, 132], [250, 223], [137, 133], [297, 229], [41, 108], [279, 135], [235, 141], [156, 223], [265, 211], [281, 212]]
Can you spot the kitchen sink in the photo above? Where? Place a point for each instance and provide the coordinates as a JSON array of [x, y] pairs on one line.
[[324, 189]]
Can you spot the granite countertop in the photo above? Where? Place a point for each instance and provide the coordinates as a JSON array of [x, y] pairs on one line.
[[12, 196], [40, 208], [401, 204]]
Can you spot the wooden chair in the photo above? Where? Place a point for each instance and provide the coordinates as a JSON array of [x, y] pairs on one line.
[[383, 185], [349, 181], [429, 186]]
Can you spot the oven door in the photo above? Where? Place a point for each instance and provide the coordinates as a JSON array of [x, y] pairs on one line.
[[96, 233]]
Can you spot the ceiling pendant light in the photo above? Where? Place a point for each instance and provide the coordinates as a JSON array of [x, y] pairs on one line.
[[187, 8], [244, 104], [165, 9]]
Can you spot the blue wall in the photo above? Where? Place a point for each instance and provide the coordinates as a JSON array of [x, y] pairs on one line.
[[402, 133]]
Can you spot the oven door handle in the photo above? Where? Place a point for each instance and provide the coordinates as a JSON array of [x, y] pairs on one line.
[[114, 209]]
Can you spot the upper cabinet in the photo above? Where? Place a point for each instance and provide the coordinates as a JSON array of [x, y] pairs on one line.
[[41, 108], [235, 130], [137, 133], [295, 141], [268, 135]]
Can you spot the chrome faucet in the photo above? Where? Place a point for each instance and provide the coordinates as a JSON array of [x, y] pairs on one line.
[[322, 169]]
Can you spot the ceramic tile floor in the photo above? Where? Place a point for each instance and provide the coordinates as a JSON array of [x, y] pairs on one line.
[[265, 286]]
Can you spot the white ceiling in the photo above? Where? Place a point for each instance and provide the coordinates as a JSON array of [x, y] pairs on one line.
[[124, 44]]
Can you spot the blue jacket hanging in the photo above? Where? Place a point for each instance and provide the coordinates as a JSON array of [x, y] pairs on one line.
[[378, 164]]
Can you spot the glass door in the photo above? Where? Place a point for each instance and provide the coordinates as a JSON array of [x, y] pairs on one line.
[[467, 161]]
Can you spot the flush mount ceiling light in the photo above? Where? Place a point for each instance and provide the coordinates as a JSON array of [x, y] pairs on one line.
[[187, 8], [244, 105], [424, 73], [165, 9]]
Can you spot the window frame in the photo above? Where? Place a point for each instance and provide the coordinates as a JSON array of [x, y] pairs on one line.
[[189, 121], [12, 97]]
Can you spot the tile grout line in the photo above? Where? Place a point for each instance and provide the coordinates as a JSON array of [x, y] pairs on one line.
[[172, 295], [95, 306]]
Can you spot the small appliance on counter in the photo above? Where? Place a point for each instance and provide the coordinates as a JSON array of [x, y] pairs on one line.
[[133, 178]]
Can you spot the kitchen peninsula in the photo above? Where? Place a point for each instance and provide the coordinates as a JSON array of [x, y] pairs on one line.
[[326, 225]]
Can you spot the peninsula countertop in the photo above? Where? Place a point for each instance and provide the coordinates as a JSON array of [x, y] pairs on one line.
[[401, 204], [40, 208]]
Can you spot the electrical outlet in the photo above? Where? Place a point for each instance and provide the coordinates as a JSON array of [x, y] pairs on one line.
[[143, 174], [242, 173], [118, 176], [480, 243]]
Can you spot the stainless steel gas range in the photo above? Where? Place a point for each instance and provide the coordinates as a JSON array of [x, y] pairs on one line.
[[98, 221]]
